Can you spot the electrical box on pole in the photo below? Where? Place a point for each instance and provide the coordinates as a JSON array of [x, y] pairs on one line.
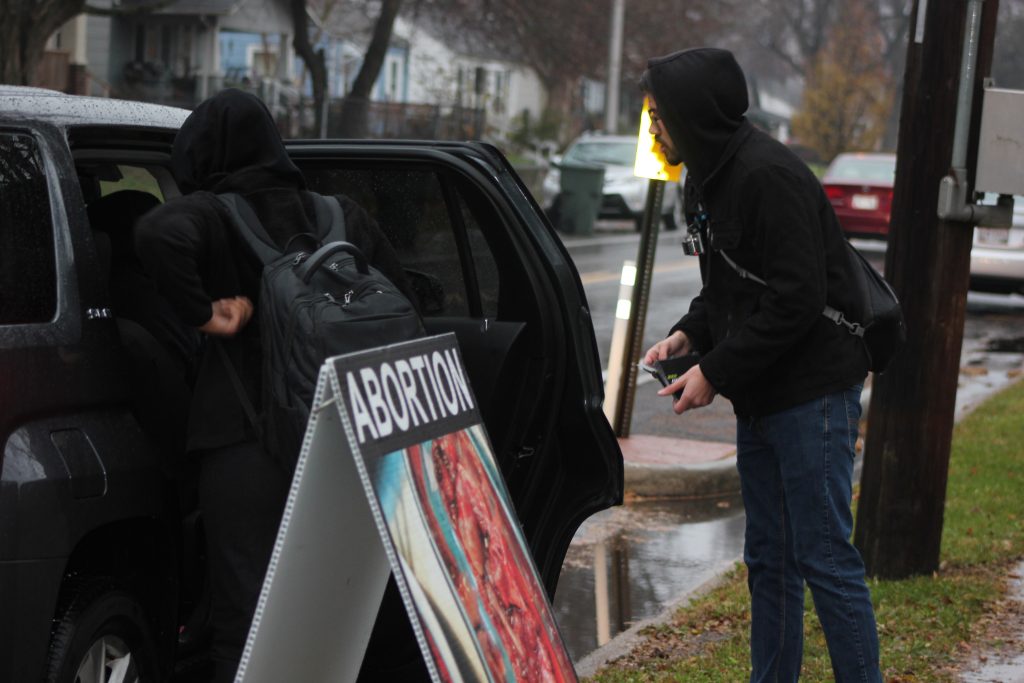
[[1001, 142]]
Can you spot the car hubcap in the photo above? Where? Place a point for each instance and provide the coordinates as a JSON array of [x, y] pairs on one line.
[[107, 661]]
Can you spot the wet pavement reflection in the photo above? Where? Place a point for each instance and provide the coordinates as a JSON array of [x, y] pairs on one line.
[[632, 562]]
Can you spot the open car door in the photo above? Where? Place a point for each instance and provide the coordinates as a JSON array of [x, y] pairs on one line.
[[485, 265]]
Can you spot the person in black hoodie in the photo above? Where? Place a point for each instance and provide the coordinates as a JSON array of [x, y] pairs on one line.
[[230, 143], [793, 376]]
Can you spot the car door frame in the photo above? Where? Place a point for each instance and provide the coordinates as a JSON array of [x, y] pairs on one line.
[[571, 464]]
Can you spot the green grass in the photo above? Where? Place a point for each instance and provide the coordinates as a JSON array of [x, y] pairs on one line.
[[924, 623]]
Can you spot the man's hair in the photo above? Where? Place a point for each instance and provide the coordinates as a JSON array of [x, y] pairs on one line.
[[645, 81]]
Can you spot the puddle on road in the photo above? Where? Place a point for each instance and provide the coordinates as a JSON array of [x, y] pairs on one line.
[[630, 563]]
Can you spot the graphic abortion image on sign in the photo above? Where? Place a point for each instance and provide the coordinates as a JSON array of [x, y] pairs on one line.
[[444, 514]]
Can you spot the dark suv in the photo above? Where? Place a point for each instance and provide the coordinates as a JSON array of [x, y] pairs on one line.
[[97, 555]]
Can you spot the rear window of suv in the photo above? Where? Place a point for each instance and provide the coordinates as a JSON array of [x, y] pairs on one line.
[[867, 169], [28, 277]]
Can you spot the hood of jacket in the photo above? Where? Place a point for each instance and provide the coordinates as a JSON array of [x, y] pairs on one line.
[[230, 143], [702, 96]]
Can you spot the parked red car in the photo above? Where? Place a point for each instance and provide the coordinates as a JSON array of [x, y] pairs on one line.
[[859, 185]]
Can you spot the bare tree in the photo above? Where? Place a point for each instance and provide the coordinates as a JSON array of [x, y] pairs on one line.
[[793, 30], [846, 100], [356, 103], [25, 26], [313, 59], [565, 40], [1008, 63]]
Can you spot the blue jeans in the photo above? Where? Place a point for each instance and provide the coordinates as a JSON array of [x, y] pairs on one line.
[[796, 470]]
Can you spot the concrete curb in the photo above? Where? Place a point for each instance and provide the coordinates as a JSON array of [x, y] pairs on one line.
[[719, 477], [623, 643]]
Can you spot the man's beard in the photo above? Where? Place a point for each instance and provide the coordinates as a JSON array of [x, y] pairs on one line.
[[671, 154]]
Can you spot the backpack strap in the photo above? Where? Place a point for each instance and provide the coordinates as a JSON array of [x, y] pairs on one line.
[[330, 218], [250, 227], [330, 224], [832, 314]]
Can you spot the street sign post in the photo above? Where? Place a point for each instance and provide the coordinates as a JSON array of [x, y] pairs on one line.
[[650, 163]]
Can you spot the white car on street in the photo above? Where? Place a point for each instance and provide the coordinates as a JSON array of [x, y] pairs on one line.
[[997, 255], [624, 194]]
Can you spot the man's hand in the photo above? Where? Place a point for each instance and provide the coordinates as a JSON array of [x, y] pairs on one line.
[[697, 391], [676, 344], [228, 316]]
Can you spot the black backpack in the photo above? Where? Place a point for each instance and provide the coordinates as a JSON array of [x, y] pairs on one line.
[[878, 317], [314, 303]]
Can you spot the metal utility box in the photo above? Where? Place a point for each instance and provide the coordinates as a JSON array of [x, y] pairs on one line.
[[1001, 145]]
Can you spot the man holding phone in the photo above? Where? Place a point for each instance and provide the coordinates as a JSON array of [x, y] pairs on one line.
[[771, 256]]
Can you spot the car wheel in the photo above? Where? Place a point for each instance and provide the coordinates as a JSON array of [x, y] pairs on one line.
[[102, 636]]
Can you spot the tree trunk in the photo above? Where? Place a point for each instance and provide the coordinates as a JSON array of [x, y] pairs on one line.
[[315, 63], [25, 26], [354, 116], [910, 421]]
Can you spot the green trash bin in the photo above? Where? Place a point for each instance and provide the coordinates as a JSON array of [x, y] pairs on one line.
[[579, 201]]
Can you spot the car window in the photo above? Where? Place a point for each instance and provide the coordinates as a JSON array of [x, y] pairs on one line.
[[132, 178], [862, 168], [28, 277], [616, 153], [435, 232]]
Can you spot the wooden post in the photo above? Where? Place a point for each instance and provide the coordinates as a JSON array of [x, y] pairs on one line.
[[910, 420]]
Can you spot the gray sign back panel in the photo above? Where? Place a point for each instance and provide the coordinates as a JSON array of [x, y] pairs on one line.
[[328, 571]]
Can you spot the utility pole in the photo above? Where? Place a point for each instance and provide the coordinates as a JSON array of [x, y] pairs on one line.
[[910, 420], [611, 109]]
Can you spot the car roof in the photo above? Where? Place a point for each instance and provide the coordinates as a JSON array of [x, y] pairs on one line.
[[880, 156], [605, 138], [40, 104]]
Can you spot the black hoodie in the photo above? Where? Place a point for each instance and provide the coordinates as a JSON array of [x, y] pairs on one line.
[[231, 144], [702, 96], [765, 347]]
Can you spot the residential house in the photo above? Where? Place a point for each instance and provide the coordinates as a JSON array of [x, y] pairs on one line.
[[181, 52], [174, 54]]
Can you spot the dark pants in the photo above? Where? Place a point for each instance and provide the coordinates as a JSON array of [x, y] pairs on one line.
[[242, 492], [796, 470]]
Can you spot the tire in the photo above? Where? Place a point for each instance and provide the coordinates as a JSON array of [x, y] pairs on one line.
[[101, 635]]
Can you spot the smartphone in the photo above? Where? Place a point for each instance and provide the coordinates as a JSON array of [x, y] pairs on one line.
[[668, 370]]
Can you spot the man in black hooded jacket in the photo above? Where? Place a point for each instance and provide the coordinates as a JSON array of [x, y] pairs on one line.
[[230, 143], [793, 376]]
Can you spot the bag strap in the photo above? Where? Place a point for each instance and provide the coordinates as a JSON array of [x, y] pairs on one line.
[[250, 227], [236, 382], [330, 222], [330, 218], [832, 314]]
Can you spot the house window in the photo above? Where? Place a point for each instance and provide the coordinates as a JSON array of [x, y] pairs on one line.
[[28, 273]]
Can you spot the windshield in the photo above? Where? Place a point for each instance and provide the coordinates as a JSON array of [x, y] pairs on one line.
[[863, 168], [613, 153]]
